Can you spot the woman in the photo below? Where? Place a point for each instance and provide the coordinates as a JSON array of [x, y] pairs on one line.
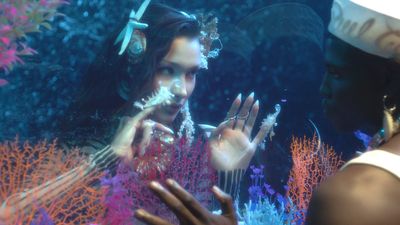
[[167, 53], [173, 52]]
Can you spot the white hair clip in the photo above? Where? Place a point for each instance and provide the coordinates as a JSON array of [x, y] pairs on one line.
[[133, 24]]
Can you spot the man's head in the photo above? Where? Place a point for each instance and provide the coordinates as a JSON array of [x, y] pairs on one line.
[[360, 71]]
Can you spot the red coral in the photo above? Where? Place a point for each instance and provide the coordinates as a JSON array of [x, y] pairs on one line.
[[313, 162], [27, 167], [188, 165]]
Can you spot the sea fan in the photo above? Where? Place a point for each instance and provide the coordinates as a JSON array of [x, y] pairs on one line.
[[128, 190], [312, 164], [27, 167]]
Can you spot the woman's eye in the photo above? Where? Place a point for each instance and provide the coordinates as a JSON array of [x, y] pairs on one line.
[[166, 70], [192, 74]]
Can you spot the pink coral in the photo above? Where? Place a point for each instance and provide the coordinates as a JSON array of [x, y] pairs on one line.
[[128, 191], [19, 18]]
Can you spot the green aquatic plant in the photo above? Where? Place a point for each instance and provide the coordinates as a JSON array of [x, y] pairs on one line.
[[18, 18]]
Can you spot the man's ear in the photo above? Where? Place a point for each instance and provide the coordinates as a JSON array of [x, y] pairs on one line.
[[392, 82]]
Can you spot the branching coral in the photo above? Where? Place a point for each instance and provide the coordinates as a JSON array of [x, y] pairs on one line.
[[313, 162], [19, 18], [127, 190], [25, 168]]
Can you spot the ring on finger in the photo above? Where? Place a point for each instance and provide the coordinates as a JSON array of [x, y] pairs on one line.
[[230, 118], [238, 117]]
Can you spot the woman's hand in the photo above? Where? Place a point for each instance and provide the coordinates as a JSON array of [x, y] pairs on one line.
[[231, 144], [127, 134], [187, 209]]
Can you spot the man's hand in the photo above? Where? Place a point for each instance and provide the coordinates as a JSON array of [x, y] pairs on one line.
[[186, 208]]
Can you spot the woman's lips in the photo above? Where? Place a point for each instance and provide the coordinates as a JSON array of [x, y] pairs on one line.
[[173, 108]]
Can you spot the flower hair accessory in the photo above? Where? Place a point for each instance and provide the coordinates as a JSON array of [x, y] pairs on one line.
[[131, 36], [208, 34]]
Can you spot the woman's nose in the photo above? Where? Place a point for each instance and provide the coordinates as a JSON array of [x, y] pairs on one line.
[[178, 88]]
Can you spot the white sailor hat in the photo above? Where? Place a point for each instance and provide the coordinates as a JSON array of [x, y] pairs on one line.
[[370, 25]]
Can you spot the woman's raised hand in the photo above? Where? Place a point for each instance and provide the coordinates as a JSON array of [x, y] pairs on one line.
[[127, 134], [231, 144]]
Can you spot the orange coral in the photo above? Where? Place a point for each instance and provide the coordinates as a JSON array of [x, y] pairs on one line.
[[313, 162], [24, 168]]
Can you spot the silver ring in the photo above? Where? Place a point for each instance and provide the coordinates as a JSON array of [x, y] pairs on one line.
[[243, 117], [230, 118]]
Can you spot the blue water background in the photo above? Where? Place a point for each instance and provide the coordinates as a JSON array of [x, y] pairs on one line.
[[286, 71]]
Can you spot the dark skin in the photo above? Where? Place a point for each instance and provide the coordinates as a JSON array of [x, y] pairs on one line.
[[187, 209], [353, 89]]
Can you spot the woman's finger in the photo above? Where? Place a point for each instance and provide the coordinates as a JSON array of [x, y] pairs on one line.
[[217, 132], [226, 202], [261, 135], [162, 127], [123, 139], [188, 200], [126, 132], [230, 116], [173, 203], [143, 114], [147, 127], [244, 112], [248, 128], [150, 219]]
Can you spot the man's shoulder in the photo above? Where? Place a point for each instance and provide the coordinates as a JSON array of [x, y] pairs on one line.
[[359, 194]]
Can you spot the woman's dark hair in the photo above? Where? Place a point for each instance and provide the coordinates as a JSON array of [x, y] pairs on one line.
[[112, 81]]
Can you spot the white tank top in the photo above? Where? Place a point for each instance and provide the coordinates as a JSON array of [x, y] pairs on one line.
[[378, 158]]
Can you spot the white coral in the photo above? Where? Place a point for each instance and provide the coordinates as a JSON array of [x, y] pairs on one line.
[[160, 97], [269, 123]]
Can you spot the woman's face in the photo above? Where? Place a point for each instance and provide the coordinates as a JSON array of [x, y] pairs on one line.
[[177, 70], [352, 89]]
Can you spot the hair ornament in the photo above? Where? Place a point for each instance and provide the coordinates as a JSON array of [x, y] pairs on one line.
[[130, 35], [209, 34]]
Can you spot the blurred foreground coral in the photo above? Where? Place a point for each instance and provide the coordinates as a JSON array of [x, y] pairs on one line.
[[19, 18], [26, 166]]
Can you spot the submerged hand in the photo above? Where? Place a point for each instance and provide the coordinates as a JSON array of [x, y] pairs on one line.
[[127, 133], [231, 144], [187, 209]]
